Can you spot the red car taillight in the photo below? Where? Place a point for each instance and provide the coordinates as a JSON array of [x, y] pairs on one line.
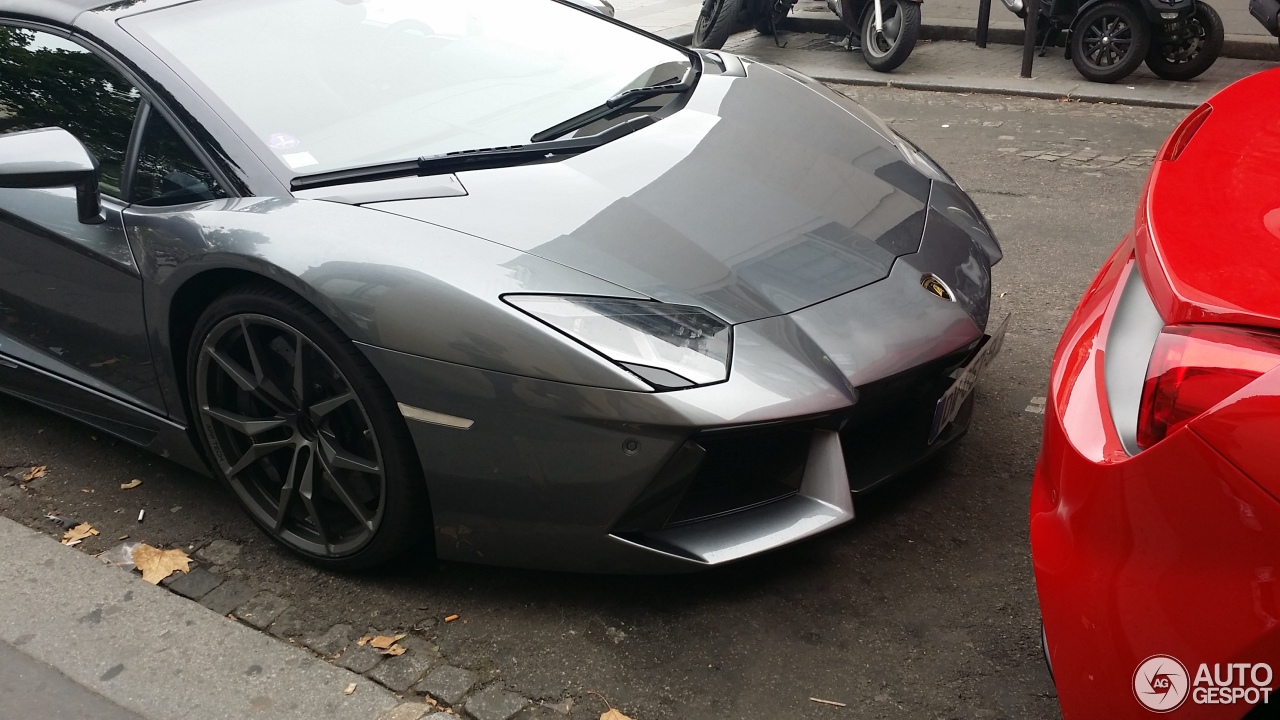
[[1195, 367]]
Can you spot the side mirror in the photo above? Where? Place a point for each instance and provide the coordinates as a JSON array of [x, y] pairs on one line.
[[49, 158]]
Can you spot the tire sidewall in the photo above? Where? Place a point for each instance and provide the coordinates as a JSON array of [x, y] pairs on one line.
[[1137, 52], [716, 30], [1215, 38], [907, 40], [406, 506]]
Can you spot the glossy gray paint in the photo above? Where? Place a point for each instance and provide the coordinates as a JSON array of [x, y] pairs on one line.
[[769, 201]]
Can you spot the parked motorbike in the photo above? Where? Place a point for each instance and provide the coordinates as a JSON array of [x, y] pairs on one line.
[[1108, 39], [886, 31]]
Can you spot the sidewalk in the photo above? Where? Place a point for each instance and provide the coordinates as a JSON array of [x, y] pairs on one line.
[[112, 646], [943, 20]]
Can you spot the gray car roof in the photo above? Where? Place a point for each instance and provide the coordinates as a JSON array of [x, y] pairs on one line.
[[60, 11]]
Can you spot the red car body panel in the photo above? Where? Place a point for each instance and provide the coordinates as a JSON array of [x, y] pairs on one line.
[[1174, 550]]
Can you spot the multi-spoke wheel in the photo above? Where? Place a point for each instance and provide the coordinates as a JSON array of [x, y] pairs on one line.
[[1194, 51], [299, 427], [1110, 41]]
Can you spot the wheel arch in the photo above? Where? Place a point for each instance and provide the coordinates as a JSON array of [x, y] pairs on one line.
[[1146, 9]]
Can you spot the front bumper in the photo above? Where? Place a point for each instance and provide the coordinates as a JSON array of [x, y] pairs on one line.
[[571, 477], [1172, 551]]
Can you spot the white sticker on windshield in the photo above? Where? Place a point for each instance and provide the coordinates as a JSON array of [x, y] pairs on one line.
[[299, 160]]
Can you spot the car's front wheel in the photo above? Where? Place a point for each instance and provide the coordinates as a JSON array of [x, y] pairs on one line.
[[303, 431]]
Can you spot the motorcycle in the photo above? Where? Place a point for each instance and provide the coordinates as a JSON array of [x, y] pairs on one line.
[[886, 31], [1266, 12], [1108, 39]]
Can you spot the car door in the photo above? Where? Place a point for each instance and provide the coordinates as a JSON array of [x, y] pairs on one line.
[[70, 292]]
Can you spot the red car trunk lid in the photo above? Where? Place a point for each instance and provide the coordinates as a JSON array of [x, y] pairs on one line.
[[1208, 227]]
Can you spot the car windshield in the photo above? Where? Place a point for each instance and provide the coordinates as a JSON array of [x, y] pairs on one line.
[[328, 84]]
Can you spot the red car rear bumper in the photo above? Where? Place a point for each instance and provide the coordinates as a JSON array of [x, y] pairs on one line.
[[1173, 551]]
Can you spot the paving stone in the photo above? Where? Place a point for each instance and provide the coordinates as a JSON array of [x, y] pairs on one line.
[[1110, 158], [1030, 153], [291, 623], [408, 711], [494, 703], [360, 659], [195, 584], [262, 610], [332, 641], [228, 596], [447, 684], [219, 552], [399, 674]]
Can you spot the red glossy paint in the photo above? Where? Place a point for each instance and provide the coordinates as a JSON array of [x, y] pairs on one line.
[[1174, 550]]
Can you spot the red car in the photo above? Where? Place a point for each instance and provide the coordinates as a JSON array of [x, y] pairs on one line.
[[1155, 512]]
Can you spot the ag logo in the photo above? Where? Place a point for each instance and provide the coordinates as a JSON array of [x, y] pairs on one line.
[[1160, 683]]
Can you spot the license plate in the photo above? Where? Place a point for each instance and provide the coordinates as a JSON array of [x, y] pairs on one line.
[[952, 400]]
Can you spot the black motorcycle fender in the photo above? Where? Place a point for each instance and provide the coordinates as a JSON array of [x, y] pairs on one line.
[[1151, 9]]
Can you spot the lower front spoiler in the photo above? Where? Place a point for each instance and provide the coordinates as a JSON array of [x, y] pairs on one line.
[[822, 503]]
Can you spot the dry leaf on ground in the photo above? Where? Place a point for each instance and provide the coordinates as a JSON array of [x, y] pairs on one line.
[[364, 640], [157, 564], [612, 714], [38, 471], [394, 651], [350, 689], [131, 484], [75, 535], [382, 642]]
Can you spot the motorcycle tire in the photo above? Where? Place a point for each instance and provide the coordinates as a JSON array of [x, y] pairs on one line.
[[1190, 58], [716, 22], [885, 51], [769, 14], [1110, 41]]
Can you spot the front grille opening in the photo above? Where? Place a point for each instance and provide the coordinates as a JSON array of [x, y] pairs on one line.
[[743, 469]]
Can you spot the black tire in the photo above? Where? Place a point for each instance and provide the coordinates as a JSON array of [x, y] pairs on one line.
[[273, 434], [1110, 41], [716, 22], [900, 20], [769, 14], [1188, 59]]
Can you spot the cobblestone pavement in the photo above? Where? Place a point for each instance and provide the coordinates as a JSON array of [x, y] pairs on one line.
[[923, 608]]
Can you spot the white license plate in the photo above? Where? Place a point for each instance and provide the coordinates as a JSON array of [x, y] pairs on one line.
[[953, 399]]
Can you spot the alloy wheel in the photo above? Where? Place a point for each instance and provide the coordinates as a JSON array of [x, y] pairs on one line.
[[882, 43], [291, 435], [1107, 40]]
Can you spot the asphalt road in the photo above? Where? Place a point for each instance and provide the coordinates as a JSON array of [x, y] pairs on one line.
[[923, 608]]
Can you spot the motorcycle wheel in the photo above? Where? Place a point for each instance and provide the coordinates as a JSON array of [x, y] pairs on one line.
[[1110, 41], [769, 14], [1189, 58], [715, 23], [885, 51]]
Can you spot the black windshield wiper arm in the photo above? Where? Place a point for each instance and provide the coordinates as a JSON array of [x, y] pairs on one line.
[[483, 158], [623, 99]]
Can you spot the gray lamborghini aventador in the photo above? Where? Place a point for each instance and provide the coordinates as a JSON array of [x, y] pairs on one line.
[[503, 277]]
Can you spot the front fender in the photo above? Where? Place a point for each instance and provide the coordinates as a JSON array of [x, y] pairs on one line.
[[383, 279]]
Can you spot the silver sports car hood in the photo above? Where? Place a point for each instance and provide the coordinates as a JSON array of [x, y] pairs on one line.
[[758, 198]]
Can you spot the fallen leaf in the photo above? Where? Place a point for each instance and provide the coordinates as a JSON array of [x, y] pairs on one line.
[[828, 702], [78, 533], [350, 689], [157, 564], [394, 651], [612, 714], [364, 640], [382, 642], [36, 472], [451, 618], [131, 484]]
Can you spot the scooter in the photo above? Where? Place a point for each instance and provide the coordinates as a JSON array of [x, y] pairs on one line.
[[1266, 12], [1108, 39], [886, 31]]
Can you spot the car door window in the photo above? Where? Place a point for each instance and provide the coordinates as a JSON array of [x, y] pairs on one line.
[[169, 173], [48, 81]]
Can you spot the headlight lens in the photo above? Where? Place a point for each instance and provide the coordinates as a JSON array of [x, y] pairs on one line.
[[668, 346], [920, 161]]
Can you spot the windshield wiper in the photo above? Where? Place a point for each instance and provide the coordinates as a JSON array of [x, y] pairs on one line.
[[624, 99], [480, 159]]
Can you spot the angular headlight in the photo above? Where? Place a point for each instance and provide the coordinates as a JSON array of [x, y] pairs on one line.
[[668, 346]]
